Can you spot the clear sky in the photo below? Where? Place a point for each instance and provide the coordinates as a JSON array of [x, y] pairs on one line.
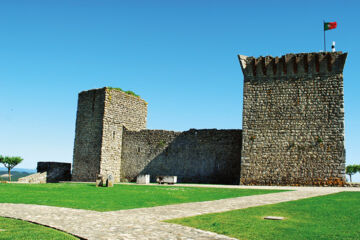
[[180, 56]]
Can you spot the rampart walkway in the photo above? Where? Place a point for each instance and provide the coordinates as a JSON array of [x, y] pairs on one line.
[[145, 223]]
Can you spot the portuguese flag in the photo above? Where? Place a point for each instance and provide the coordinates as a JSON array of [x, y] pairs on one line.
[[329, 25]]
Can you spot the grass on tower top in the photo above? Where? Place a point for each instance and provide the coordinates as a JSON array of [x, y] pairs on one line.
[[127, 92]]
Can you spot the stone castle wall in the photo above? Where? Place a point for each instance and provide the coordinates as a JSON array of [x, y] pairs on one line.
[[56, 171], [293, 131], [88, 135], [197, 156], [293, 120], [121, 111], [101, 116]]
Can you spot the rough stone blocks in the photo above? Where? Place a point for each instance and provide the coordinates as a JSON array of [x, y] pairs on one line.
[[293, 120], [101, 117]]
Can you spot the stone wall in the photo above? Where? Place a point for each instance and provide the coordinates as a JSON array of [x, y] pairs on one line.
[[34, 178], [129, 110], [293, 130], [56, 171], [88, 135], [293, 120], [102, 114], [121, 111], [194, 156]]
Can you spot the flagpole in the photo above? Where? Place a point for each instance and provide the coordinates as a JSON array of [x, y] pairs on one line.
[[324, 37]]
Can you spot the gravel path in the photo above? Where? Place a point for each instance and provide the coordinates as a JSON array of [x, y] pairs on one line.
[[145, 223]]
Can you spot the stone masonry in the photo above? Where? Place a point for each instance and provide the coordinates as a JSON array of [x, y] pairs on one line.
[[293, 120], [56, 171], [102, 114], [49, 172], [34, 178], [293, 131], [194, 156]]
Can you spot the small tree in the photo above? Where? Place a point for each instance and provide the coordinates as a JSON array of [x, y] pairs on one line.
[[10, 163], [351, 170]]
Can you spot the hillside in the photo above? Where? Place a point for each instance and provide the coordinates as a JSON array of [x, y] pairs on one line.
[[15, 175]]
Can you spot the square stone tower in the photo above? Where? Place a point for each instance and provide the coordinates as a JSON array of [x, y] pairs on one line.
[[293, 119], [101, 115]]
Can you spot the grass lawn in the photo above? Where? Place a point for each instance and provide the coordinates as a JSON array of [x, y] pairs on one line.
[[20, 230], [335, 216], [87, 196]]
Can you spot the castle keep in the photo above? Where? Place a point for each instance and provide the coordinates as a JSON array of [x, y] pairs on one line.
[[293, 131], [293, 119]]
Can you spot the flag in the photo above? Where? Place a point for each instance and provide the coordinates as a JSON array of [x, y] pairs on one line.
[[329, 25]]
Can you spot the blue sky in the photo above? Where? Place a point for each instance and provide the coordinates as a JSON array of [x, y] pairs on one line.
[[180, 56]]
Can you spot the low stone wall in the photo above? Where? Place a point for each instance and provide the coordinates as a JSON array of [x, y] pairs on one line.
[[56, 171], [34, 178], [194, 156]]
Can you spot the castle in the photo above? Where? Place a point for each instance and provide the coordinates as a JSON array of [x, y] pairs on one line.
[[292, 131]]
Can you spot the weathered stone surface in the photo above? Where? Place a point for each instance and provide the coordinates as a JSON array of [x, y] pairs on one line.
[[99, 183], [143, 179], [88, 135], [122, 111], [293, 131], [196, 156], [56, 171], [293, 120], [110, 181], [101, 116], [34, 178], [99, 180]]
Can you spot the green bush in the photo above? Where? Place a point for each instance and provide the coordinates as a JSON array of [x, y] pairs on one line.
[[127, 92]]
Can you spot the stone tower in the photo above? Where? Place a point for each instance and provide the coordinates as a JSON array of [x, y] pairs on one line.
[[101, 115], [293, 119]]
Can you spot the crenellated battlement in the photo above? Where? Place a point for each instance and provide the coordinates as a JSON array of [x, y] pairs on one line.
[[321, 63]]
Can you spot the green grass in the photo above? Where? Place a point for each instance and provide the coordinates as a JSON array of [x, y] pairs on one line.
[[87, 196], [335, 216], [20, 230], [128, 92]]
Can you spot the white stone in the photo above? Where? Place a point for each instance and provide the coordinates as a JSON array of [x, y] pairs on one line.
[[273, 218], [143, 179], [166, 179]]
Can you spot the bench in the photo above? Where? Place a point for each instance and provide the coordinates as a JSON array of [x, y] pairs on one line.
[[166, 179]]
